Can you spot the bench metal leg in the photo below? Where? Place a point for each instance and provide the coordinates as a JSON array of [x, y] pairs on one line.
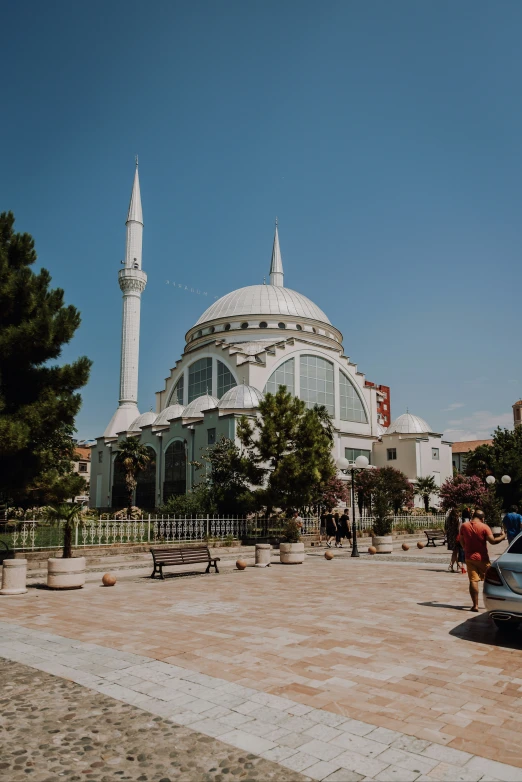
[[157, 569], [208, 568]]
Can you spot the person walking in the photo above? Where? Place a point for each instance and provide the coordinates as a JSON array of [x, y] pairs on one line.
[[337, 530], [512, 523], [344, 527], [474, 536], [452, 533], [331, 529]]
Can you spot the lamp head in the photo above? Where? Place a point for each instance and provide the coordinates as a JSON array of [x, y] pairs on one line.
[[342, 463], [506, 479], [361, 462], [490, 479]]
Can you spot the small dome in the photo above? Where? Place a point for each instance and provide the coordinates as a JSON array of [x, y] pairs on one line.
[[174, 411], [196, 408], [263, 300], [241, 398], [409, 424], [142, 420]]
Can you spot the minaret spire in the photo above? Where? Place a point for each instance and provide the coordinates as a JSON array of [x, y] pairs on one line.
[[132, 281], [276, 265]]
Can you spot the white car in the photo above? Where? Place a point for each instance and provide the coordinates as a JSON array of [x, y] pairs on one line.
[[503, 587]]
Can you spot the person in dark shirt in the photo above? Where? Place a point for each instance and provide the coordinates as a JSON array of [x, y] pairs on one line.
[[344, 527]]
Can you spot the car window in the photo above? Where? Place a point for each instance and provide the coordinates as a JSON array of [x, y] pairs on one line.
[[516, 546]]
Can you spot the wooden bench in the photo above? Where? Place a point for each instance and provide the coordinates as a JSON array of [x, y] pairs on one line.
[[434, 536], [182, 555]]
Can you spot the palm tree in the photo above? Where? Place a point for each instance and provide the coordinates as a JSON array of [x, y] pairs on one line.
[[70, 514], [133, 457], [425, 487]]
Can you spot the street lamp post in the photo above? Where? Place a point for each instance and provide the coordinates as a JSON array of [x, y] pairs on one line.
[[344, 466]]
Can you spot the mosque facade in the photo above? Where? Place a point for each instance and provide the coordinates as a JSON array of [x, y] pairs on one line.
[[249, 342]]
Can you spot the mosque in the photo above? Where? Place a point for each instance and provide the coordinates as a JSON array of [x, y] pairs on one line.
[[249, 342]]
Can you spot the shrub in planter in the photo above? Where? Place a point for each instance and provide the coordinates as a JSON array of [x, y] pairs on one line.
[[65, 572], [291, 551], [383, 524]]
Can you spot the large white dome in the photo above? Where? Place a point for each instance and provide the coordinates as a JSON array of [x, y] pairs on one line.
[[409, 424], [263, 300]]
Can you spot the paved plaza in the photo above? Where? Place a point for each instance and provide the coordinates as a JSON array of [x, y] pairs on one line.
[[345, 670]]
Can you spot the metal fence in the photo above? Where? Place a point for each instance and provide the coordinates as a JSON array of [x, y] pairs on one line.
[[406, 521], [35, 535]]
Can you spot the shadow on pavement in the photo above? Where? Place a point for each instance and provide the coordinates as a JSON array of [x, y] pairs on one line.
[[480, 629], [434, 604]]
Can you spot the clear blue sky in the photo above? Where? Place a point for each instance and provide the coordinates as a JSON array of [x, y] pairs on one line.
[[386, 136]]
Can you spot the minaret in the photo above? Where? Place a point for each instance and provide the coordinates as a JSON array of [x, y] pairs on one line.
[[276, 266], [132, 282]]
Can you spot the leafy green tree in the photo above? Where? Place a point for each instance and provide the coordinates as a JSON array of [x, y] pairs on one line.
[[197, 502], [425, 487], [67, 514], [396, 486], [292, 446], [502, 457], [492, 506], [133, 457], [231, 477], [38, 400], [364, 487]]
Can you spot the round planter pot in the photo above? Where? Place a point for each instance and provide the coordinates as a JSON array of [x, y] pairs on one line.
[[65, 573], [383, 544], [13, 577], [291, 553]]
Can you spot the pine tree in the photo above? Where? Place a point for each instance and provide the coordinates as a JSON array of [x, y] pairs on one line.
[[38, 400], [293, 447]]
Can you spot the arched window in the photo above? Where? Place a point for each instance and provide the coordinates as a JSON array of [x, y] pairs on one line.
[[119, 490], [317, 382], [200, 378], [177, 394], [283, 376], [351, 406], [146, 483], [175, 470], [225, 379]]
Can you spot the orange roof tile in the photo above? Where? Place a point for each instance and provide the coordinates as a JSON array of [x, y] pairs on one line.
[[469, 445]]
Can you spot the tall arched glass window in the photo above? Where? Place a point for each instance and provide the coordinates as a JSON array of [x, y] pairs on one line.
[[351, 406], [225, 379], [200, 378], [317, 382], [177, 394], [283, 376], [175, 470], [119, 490], [146, 483]]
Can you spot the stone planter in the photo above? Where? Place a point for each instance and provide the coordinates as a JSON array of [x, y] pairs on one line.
[[65, 573], [383, 544], [263, 551], [14, 576], [291, 553]]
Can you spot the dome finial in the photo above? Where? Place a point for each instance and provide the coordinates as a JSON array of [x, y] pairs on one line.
[[276, 265]]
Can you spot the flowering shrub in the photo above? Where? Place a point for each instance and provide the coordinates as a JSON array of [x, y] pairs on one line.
[[136, 513], [460, 491]]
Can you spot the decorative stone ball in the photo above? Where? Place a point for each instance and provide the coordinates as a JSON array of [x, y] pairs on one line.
[[372, 550], [420, 544], [108, 580], [241, 564], [405, 547], [328, 554]]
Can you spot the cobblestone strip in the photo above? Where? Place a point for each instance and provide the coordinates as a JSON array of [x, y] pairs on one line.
[[53, 728], [318, 743]]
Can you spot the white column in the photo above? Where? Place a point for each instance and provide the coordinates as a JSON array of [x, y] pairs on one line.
[[132, 283]]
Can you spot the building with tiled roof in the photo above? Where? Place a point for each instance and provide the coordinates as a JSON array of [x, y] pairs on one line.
[[460, 452]]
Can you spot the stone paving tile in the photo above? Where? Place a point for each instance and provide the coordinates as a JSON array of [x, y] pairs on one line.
[[55, 728], [358, 672]]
